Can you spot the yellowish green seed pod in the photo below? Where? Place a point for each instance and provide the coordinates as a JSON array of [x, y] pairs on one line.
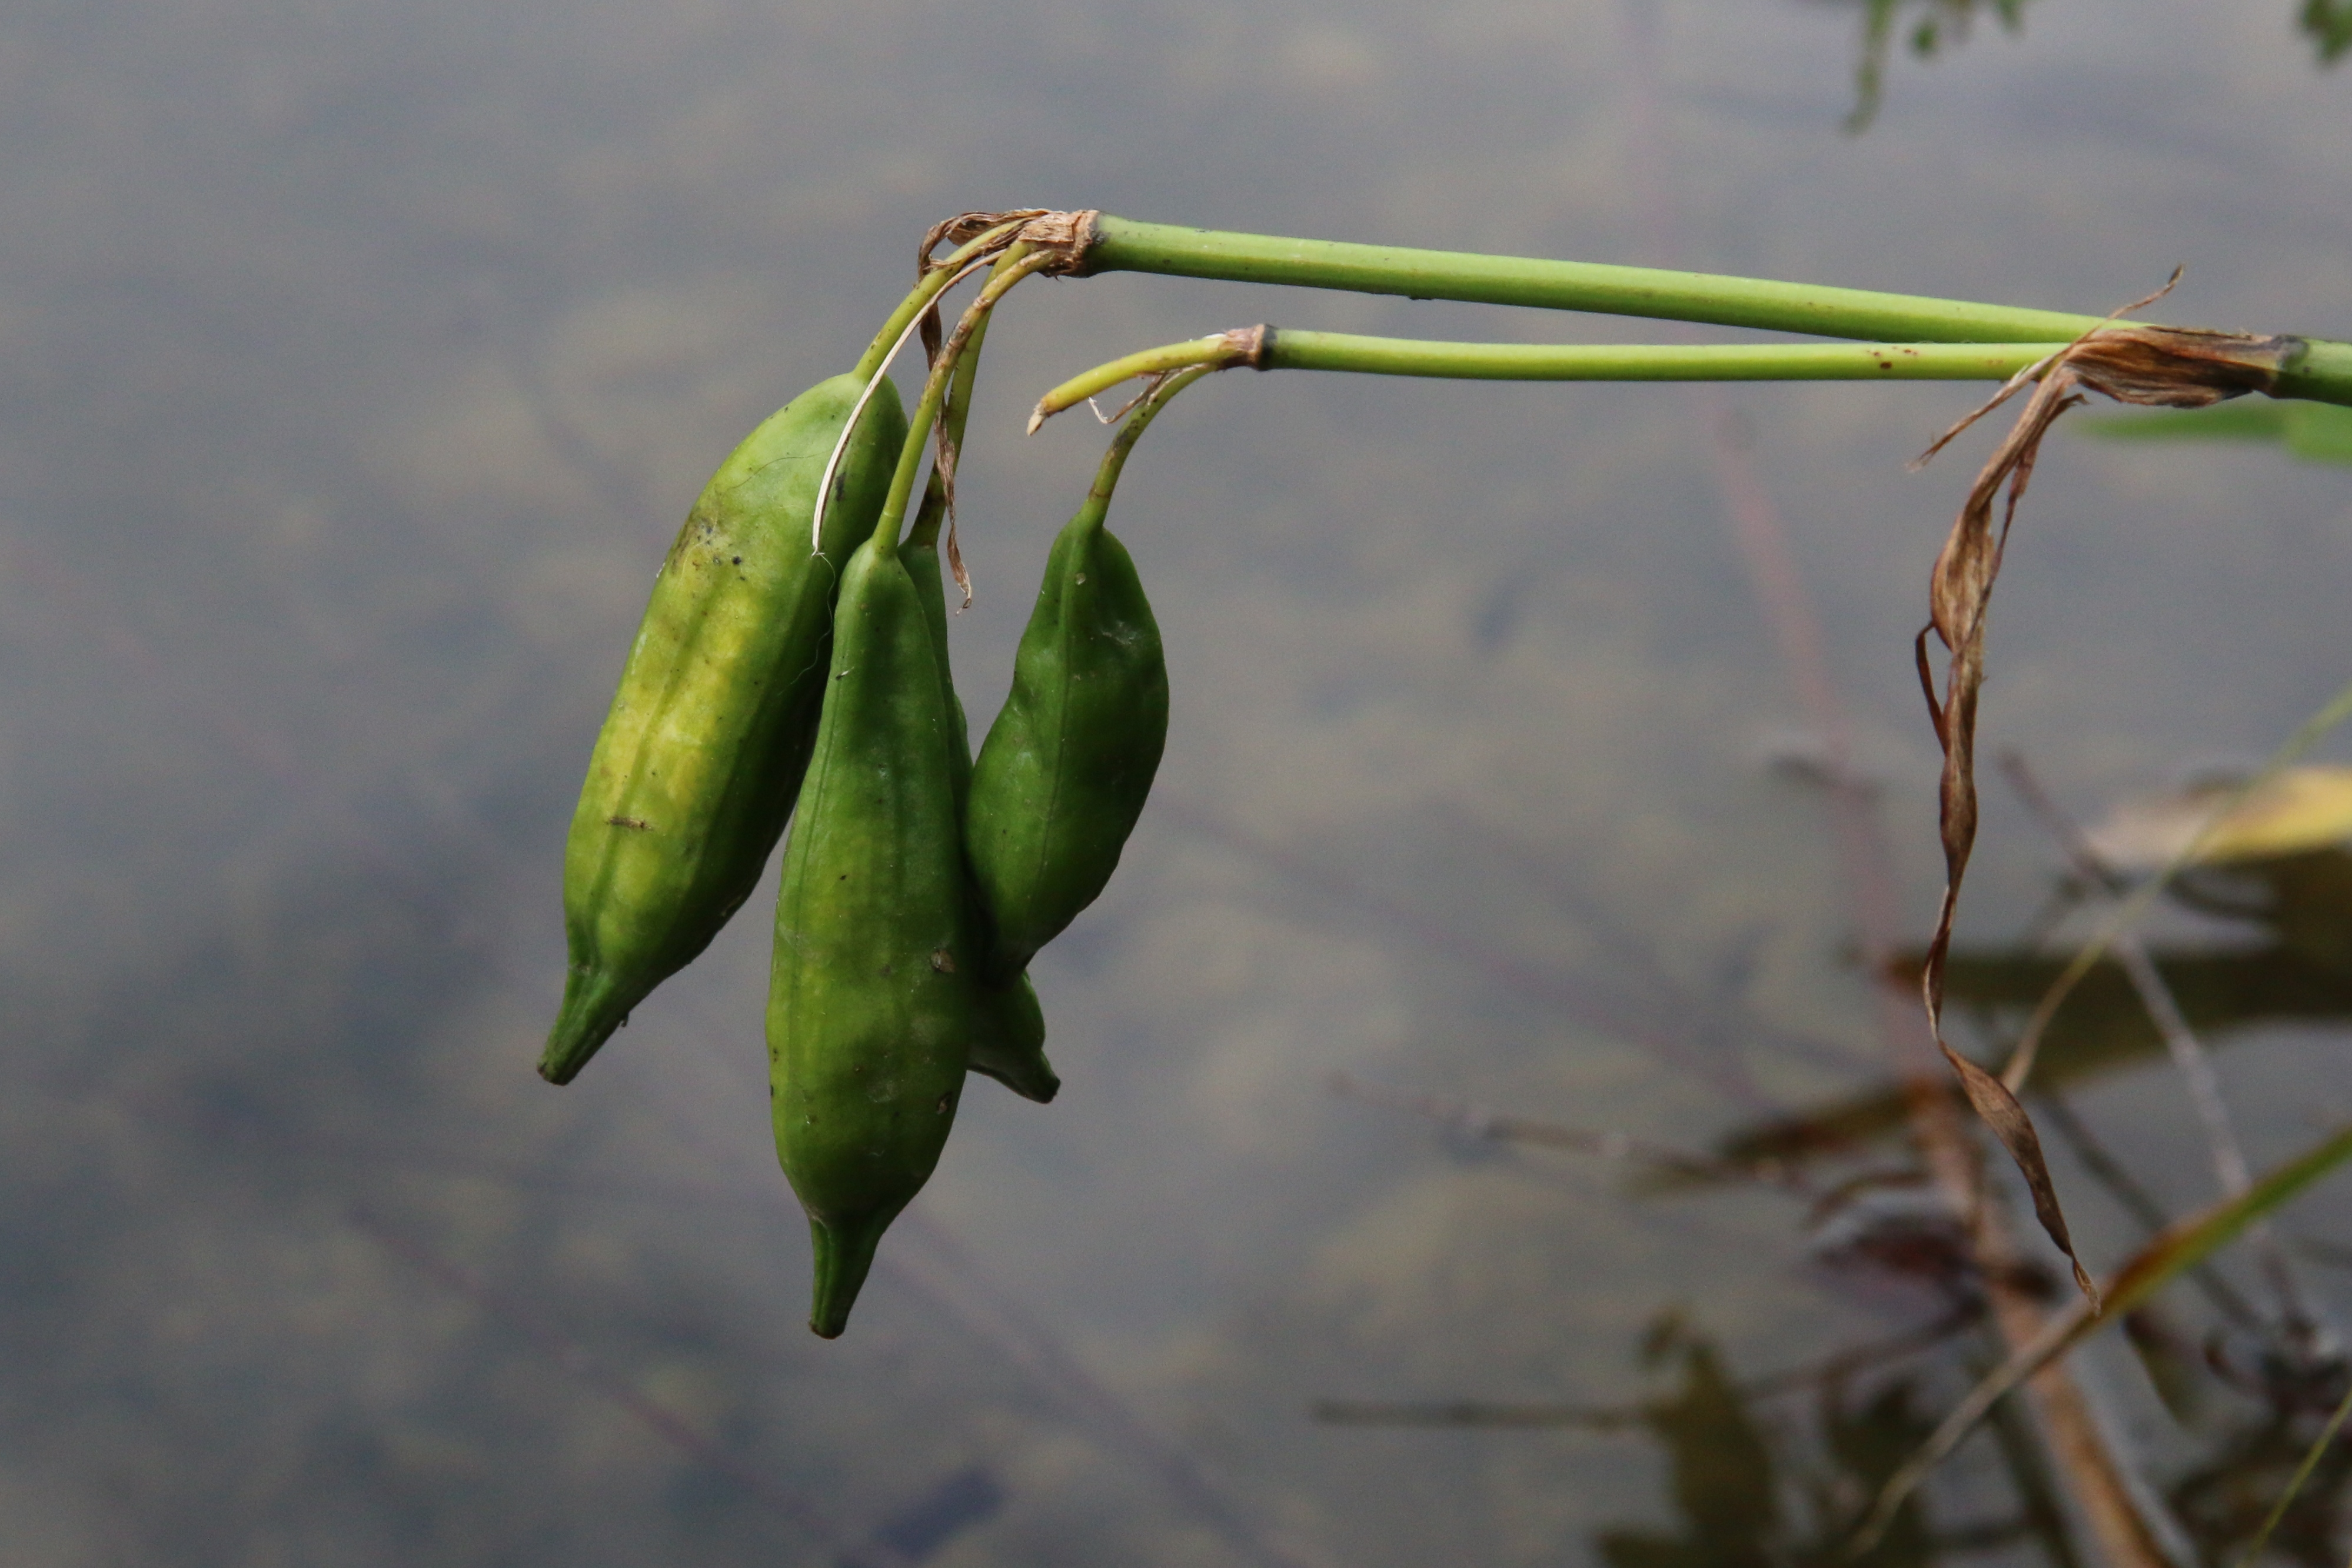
[[702, 752]]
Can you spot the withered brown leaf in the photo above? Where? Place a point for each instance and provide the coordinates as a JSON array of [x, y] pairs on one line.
[[2166, 366]]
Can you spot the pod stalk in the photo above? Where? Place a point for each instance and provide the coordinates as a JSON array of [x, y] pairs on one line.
[[937, 277], [1147, 408], [1019, 261]]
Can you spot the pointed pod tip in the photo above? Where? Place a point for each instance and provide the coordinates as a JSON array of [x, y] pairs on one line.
[[844, 1253], [1032, 1081], [593, 1006], [1036, 420]]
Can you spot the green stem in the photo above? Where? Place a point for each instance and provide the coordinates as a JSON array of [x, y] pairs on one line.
[[1096, 506], [2321, 373], [1124, 245], [918, 300], [1017, 263], [1295, 350], [954, 415], [2324, 374], [1653, 362]]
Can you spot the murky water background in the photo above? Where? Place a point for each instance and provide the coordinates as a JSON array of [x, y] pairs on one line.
[[359, 361]]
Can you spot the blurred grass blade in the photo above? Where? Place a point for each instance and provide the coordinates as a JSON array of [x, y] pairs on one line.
[[2301, 1475], [2180, 1245], [2316, 432], [2242, 420]]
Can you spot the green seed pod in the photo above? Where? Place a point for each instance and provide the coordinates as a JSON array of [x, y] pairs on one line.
[[873, 999], [920, 556], [1010, 1046], [1063, 775], [709, 732]]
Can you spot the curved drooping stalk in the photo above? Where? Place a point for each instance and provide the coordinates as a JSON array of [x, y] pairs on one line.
[[1017, 263], [937, 277]]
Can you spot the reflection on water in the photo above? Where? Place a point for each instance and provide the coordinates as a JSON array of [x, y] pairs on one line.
[[2329, 23], [1731, 1447], [1925, 29], [1781, 1469], [1747, 1487], [2283, 953], [2257, 1394]]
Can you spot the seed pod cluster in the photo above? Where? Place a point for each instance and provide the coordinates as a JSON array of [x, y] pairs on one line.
[[916, 882], [892, 976]]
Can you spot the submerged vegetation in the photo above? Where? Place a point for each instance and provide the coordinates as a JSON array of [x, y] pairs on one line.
[[1789, 1466], [1925, 29]]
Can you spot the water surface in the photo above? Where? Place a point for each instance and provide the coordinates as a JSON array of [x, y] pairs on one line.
[[361, 362]]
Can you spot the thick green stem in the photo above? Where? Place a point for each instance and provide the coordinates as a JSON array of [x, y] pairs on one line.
[[1017, 263], [1124, 245], [920, 298], [2322, 373], [1295, 350]]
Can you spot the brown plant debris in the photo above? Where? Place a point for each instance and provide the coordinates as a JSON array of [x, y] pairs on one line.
[[2164, 366], [1068, 235], [963, 229], [1011, 269], [1049, 242]]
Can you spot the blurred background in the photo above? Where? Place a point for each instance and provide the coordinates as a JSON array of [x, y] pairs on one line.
[[358, 362]]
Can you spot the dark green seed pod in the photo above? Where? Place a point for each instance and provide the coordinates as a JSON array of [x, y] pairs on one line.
[[1062, 776], [709, 732], [1010, 1046], [873, 998]]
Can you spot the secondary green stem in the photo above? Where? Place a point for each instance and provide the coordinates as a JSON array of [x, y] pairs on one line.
[[1268, 349], [920, 298], [954, 413], [1097, 502], [1017, 263], [1124, 245]]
